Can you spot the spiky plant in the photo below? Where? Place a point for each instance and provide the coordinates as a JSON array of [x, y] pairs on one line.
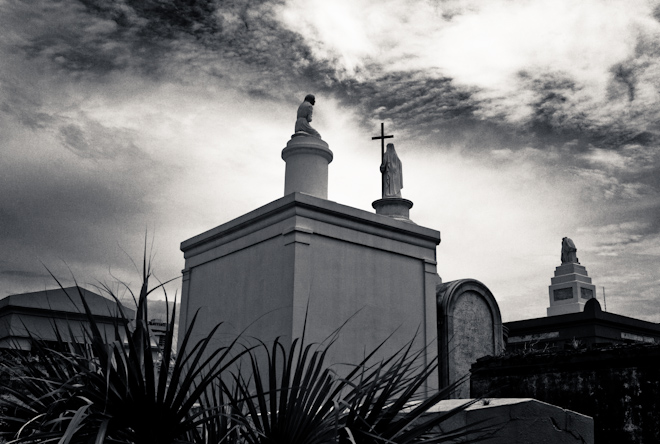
[[292, 395], [43, 404], [388, 403], [112, 390], [289, 399]]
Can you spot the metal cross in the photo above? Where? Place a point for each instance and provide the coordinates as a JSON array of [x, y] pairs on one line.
[[382, 138]]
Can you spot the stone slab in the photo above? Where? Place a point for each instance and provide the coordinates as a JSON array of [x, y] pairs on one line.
[[515, 421], [469, 328]]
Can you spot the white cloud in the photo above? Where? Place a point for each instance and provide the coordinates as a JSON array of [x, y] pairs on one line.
[[613, 239], [483, 45]]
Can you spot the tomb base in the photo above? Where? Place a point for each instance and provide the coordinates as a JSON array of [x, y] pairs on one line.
[[394, 207]]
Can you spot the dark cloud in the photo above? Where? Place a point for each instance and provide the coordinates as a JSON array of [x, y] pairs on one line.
[[656, 13], [92, 140], [243, 41], [24, 274]]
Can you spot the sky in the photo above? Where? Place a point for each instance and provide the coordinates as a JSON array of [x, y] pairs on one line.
[[517, 122]]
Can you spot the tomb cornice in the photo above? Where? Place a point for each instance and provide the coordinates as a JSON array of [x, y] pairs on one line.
[[299, 204]]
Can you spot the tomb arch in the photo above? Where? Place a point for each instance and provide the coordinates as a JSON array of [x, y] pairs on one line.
[[469, 327]]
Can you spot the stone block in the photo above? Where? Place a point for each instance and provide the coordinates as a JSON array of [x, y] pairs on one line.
[[515, 421], [569, 290]]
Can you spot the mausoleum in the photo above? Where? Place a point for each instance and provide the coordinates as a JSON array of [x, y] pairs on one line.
[[304, 264], [306, 261], [49, 315]]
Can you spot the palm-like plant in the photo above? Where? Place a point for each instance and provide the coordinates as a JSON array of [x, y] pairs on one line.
[[44, 403], [289, 399], [293, 396], [113, 390], [388, 403]]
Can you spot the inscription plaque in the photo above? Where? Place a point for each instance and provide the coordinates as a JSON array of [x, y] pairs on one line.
[[563, 293], [586, 293]]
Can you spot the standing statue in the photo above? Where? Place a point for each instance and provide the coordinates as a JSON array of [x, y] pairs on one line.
[[392, 173], [568, 252], [305, 116]]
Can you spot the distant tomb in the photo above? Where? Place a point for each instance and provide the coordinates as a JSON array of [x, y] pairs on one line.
[[571, 287]]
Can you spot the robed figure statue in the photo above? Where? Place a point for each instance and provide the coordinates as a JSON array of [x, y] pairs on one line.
[[392, 173], [568, 252], [305, 116]]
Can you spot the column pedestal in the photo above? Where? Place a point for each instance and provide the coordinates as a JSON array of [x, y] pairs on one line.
[[307, 160], [394, 207]]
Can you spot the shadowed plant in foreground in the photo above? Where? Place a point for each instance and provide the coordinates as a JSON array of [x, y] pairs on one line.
[[292, 395], [112, 390]]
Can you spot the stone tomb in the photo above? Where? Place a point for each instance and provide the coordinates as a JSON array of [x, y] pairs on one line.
[[515, 421], [469, 327], [303, 257]]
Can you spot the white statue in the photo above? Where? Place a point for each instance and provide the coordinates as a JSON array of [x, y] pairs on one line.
[[392, 173], [305, 116], [568, 252]]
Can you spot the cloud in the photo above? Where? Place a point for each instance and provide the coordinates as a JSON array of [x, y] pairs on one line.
[[90, 139], [521, 120], [24, 274], [489, 54], [612, 239]]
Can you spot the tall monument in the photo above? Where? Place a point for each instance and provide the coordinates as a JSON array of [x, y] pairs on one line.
[[571, 287], [303, 258]]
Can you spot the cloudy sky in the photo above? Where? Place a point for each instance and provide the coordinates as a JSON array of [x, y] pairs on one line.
[[517, 122]]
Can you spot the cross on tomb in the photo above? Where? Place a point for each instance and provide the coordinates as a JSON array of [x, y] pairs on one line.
[[382, 138]]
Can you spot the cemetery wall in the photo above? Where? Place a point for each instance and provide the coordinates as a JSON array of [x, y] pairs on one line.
[[619, 386]]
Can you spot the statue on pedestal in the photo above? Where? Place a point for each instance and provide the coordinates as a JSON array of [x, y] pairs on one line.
[[568, 252], [392, 173], [305, 116]]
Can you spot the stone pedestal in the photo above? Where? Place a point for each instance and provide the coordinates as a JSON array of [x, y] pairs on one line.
[[570, 289], [394, 207], [307, 160]]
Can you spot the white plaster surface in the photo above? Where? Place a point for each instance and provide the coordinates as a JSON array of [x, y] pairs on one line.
[[301, 256]]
